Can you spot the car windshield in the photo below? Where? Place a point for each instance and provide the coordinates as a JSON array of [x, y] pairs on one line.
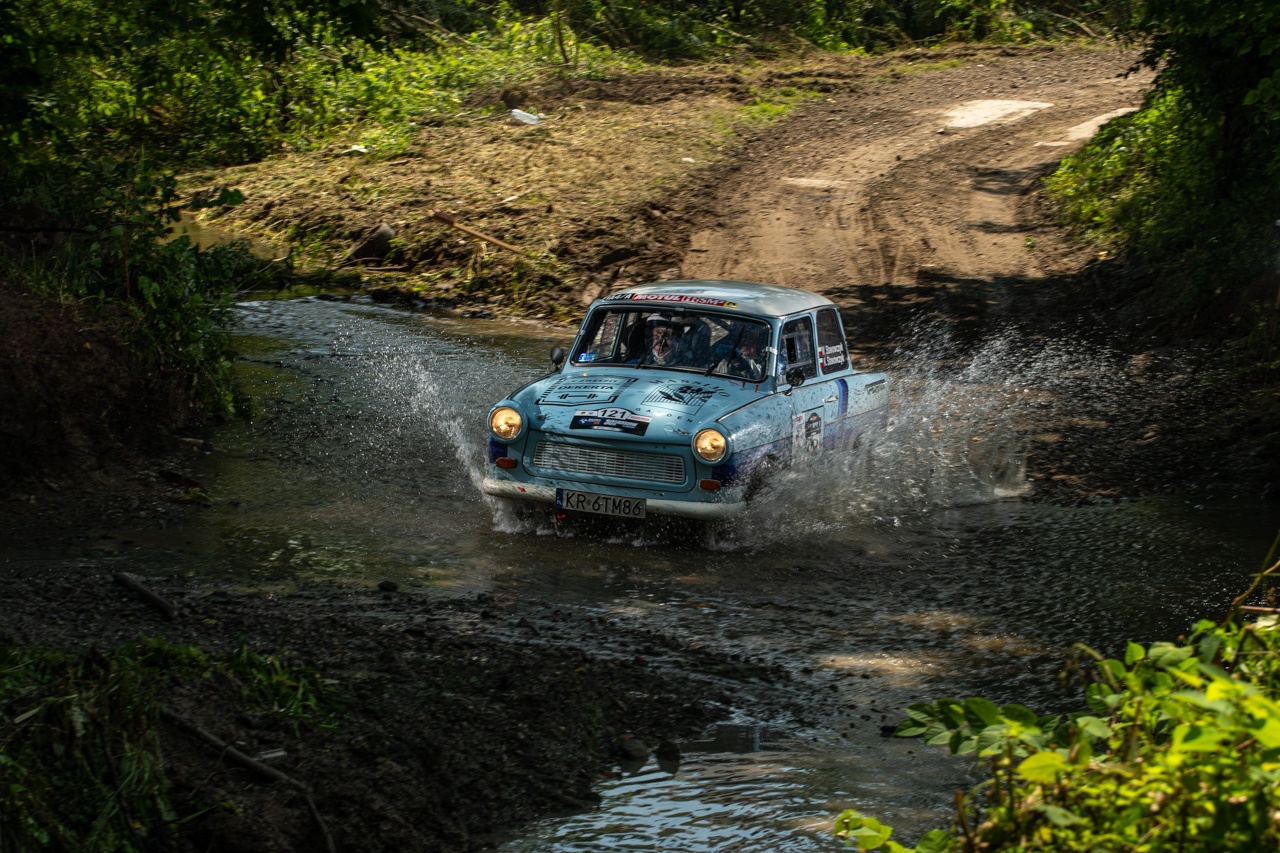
[[711, 344]]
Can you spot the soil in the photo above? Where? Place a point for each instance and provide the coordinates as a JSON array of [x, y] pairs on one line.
[[463, 719], [467, 718]]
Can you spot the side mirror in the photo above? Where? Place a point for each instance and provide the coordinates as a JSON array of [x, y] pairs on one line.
[[557, 357], [795, 376]]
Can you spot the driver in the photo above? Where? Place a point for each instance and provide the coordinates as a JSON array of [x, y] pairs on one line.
[[661, 341], [746, 359]]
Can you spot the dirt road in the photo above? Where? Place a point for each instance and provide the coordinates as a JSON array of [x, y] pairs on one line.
[[917, 190]]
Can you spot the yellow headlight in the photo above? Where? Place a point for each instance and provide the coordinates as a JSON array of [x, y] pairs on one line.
[[505, 422], [710, 445]]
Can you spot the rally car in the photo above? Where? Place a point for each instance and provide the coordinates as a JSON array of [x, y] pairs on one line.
[[677, 398]]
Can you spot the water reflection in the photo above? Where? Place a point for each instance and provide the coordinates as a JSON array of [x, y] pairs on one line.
[[750, 788]]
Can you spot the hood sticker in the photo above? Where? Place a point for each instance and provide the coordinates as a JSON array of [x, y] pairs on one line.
[[576, 390], [612, 420], [690, 397]]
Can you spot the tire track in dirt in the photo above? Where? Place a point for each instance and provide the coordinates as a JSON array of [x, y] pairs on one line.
[[911, 195]]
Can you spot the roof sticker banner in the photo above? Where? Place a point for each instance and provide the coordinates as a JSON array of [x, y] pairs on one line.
[[678, 298]]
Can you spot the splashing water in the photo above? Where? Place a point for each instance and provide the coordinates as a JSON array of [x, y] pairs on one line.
[[409, 395], [959, 432]]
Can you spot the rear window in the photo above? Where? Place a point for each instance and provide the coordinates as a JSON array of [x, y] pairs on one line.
[[833, 355]]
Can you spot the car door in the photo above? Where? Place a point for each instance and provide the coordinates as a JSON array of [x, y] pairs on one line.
[[797, 351], [834, 366]]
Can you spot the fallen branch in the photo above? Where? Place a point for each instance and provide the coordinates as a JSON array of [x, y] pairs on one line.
[[1237, 604], [132, 583], [239, 757], [449, 220], [1090, 33]]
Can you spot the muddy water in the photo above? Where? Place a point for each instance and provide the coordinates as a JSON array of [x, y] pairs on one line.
[[905, 573]]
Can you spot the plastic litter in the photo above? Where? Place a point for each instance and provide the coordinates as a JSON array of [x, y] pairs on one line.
[[527, 118]]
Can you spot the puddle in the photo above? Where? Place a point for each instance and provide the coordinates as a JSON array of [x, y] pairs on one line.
[[978, 113], [752, 789]]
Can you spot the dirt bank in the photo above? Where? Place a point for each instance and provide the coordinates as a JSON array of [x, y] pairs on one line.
[[466, 718], [900, 186]]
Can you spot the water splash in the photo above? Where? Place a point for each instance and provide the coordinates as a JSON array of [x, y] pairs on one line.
[[960, 428], [409, 396], [375, 416]]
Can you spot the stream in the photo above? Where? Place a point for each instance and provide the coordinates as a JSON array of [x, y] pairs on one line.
[[906, 572]]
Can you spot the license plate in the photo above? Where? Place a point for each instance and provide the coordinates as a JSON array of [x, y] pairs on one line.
[[600, 504]]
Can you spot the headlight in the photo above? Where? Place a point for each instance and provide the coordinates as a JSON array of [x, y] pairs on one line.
[[505, 422], [710, 445]]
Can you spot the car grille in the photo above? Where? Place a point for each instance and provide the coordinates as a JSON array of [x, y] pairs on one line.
[[572, 459]]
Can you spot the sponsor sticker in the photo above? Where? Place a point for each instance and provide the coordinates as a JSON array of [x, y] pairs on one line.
[[678, 298], [577, 391], [611, 420], [831, 355], [691, 397]]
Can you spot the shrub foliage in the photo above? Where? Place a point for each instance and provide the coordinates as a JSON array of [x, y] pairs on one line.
[[1179, 749], [80, 761]]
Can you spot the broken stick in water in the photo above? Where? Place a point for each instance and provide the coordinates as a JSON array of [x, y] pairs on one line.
[[133, 583]]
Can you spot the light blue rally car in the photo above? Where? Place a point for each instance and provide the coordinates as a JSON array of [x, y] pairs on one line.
[[678, 397]]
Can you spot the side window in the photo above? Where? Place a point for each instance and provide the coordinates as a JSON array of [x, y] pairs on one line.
[[598, 344], [797, 347], [832, 355]]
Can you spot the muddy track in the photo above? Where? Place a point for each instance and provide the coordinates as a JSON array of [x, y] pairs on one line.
[[914, 197]]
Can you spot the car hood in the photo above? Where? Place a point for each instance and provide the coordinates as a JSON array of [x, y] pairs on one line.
[[637, 403]]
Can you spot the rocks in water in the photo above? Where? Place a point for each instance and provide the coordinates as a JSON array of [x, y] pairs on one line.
[[633, 748]]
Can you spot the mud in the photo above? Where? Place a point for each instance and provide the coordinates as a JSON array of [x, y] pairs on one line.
[[464, 718]]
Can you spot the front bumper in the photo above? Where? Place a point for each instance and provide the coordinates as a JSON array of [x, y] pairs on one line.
[[718, 511]]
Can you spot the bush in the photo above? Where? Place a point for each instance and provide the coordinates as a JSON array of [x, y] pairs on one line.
[[80, 761], [1155, 185], [1179, 750]]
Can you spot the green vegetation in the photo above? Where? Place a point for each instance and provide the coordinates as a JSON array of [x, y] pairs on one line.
[[101, 103], [1189, 187], [80, 761], [1179, 750]]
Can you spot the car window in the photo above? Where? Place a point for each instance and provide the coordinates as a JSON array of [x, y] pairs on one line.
[[832, 354], [739, 349], [708, 343], [600, 342], [797, 346]]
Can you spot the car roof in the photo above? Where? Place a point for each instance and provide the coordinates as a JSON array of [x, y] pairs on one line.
[[748, 296]]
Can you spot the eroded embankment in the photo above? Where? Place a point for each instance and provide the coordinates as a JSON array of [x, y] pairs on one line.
[[462, 718]]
